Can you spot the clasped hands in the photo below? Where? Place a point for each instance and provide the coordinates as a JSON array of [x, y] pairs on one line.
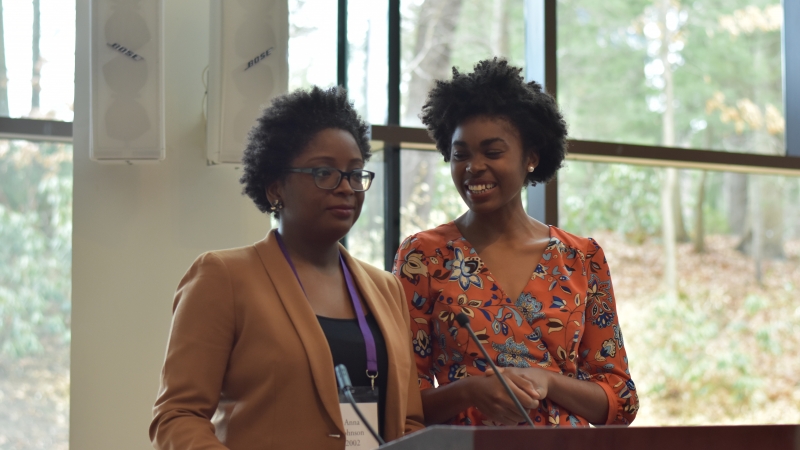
[[530, 385]]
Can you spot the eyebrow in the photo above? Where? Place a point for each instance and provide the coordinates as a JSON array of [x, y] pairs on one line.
[[331, 161], [484, 143]]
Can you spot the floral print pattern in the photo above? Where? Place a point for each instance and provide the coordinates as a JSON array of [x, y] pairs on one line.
[[564, 320]]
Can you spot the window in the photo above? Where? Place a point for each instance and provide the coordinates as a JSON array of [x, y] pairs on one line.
[[35, 293], [440, 34], [679, 74], [365, 240], [40, 76], [312, 43], [711, 312]]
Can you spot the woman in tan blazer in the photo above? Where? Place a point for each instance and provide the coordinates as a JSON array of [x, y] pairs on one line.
[[256, 331]]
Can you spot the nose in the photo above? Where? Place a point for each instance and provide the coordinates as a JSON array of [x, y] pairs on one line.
[[344, 181], [475, 166]]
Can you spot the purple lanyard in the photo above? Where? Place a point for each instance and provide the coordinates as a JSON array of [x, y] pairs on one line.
[[369, 340]]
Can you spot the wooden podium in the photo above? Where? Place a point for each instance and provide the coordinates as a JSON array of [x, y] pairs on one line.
[[749, 437]]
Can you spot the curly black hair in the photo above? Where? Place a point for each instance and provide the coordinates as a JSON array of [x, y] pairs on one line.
[[497, 89], [284, 130]]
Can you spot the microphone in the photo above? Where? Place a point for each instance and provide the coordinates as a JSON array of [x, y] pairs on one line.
[[463, 321], [345, 386]]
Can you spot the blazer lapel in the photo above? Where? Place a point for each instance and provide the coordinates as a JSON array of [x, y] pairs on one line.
[[379, 305], [304, 321]]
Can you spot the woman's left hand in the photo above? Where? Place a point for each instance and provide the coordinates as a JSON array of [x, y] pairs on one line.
[[540, 378]]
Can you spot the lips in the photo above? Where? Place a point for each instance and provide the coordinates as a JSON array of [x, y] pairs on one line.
[[342, 211]]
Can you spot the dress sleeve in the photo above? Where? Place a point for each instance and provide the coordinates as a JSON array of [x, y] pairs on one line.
[[603, 359], [411, 268], [200, 342]]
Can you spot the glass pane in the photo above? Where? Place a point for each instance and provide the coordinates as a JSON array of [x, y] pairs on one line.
[[703, 74], [366, 239], [312, 43], [711, 320], [440, 34], [37, 79], [35, 290], [427, 195], [368, 77]]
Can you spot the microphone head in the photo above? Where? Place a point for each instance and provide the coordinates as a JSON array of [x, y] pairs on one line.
[[342, 377], [462, 319]]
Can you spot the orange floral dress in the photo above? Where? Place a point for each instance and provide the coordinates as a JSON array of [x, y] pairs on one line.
[[564, 320]]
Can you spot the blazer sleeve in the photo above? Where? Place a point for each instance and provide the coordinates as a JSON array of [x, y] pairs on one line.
[[414, 417], [603, 359], [200, 343]]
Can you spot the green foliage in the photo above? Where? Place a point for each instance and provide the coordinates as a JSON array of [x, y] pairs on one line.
[[36, 250], [606, 95], [610, 197], [689, 366]]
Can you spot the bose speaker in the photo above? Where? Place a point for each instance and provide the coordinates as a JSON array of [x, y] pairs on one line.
[[127, 81], [248, 67]]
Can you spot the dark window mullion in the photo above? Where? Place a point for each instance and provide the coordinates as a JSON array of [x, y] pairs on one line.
[[392, 150], [540, 65], [341, 56]]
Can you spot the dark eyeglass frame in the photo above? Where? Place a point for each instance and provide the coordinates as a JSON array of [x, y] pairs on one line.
[[342, 174]]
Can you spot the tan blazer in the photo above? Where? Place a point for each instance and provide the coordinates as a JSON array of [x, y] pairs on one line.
[[246, 348]]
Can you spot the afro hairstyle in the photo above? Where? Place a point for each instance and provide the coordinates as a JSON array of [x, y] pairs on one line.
[[496, 89], [286, 128]]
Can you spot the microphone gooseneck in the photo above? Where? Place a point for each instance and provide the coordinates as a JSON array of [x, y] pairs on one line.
[[463, 321], [345, 387]]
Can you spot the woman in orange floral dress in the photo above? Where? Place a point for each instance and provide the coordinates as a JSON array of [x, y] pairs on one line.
[[540, 299]]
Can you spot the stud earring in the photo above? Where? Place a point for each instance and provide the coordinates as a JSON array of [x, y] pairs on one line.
[[531, 168], [277, 206]]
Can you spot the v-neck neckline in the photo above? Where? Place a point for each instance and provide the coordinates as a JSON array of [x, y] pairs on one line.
[[489, 271]]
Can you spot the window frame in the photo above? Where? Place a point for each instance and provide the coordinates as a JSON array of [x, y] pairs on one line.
[[35, 129]]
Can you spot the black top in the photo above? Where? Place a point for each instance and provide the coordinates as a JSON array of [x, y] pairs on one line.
[[347, 347]]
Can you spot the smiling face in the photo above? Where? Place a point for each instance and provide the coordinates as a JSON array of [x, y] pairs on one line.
[[317, 213], [488, 163]]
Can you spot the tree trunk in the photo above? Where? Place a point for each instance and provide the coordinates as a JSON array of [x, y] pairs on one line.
[[499, 42], [757, 226], [436, 25], [365, 68], [3, 72], [699, 225], [736, 201], [766, 193], [669, 188], [668, 233], [677, 207], [435, 29], [37, 60]]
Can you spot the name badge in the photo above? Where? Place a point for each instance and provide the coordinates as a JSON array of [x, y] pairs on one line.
[[357, 435]]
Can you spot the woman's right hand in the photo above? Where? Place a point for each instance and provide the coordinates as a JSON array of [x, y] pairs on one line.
[[488, 395]]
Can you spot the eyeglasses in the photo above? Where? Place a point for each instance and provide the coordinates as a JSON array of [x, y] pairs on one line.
[[329, 178]]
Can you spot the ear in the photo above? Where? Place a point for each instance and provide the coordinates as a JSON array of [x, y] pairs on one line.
[[275, 191], [532, 159]]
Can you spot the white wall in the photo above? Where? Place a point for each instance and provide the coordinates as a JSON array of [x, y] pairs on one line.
[[136, 231]]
